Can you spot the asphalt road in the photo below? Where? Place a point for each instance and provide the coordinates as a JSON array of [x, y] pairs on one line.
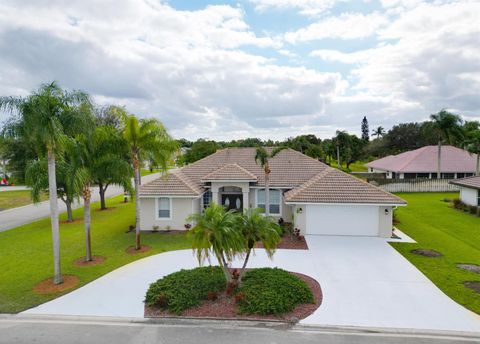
[[15, 217], [92, 331]]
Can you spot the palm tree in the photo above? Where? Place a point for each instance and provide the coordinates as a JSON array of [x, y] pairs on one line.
[[257, 228], [48, 119], [146, 137], [472, 145], [449, 130], [263, 157], [380, 131], [215, 231]]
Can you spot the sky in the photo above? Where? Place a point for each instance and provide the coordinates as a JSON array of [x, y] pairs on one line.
[[251, 68]]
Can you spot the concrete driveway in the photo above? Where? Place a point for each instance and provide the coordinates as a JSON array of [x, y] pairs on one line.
[[365, 282]]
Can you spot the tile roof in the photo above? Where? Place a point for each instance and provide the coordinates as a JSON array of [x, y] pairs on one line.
[[425, 160], [334, 186], [310, 179], [230, 172], [175, 183], [470, 182]]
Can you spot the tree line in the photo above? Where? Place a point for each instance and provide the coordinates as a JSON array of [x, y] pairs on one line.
[[60, 142], [345, 148]]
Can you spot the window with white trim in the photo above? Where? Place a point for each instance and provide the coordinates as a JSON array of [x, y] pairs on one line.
[[207, 199], [163, 207], [478, 198], [274, 199]]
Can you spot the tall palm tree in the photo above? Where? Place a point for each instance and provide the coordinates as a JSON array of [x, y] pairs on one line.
[[146, 137], [48, 119], [380, 131], [215, 232], [449, 130], [257, 228], [263, 157], [472, 145]]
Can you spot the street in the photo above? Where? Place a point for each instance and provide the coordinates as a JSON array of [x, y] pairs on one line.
[[53, 330]]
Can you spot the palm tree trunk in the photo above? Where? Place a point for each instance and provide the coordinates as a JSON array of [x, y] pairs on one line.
[[68, 203], [137, 201], [477, 172], [86, 220], [101, 191], [224, 267], [52, 189], [439, 159], [267, 194], [242, 271]]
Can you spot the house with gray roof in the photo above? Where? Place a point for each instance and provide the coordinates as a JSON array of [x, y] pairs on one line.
[[469, 190], [318, 199], [422, 163]]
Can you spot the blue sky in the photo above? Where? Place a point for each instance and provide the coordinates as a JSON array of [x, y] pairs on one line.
[[265, 68]]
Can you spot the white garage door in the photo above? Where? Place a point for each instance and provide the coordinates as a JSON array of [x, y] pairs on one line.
[[342, 220]]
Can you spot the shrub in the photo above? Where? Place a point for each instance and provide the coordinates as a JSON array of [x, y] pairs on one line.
[[272, 291], [185, 288], [473, 209], [457, 203]]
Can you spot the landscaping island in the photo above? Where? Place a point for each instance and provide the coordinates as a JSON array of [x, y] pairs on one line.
[[265, 294]]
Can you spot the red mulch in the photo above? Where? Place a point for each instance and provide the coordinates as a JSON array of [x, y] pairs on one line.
[[170, 231], [290, 243], [65, 222], [107, 209], [48, 287], [224, 307], [143, 248], [96, 260]]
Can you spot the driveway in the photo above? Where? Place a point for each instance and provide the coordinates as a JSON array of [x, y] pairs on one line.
[[365, 282]]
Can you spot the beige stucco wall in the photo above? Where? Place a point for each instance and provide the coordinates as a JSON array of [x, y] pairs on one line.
[[181, 208], [468, 196], [300, 219], [385, 222]]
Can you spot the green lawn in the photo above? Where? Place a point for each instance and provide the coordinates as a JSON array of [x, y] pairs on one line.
[[16, 198], [435, 225], [354, 167], [26, 252]]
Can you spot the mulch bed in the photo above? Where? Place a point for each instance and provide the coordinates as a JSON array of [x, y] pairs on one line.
[[107, 209], [143, 248], [170, 231], [96, 260], [475, 286], [224, 307], [469, 267], [290, 243], [65, 222], [426, 252], [48, 287]]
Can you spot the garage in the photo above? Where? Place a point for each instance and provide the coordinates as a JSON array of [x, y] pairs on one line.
[[357, 220]]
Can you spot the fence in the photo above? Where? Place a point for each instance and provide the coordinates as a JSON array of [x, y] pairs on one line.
[[414, 185]]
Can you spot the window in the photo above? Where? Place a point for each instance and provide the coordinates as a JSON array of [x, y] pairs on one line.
[[460, 175], [423, 175], [275, 198], [207, 199], [409, 175], [448, 175], [478, 198], [163, 208]]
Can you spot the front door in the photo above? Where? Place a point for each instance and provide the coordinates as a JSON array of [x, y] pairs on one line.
[[233, 201]]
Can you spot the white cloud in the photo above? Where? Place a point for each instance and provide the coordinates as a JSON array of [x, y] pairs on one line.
[[305, 7], [346, 26]]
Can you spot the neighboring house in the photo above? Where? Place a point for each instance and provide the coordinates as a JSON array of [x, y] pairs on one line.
[[469, 190], [422, 163], [317, 198]]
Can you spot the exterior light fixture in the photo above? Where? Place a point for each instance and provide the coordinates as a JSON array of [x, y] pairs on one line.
[[299, 210], [387, 211]]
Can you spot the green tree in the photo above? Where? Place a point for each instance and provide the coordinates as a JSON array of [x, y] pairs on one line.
[[199, 150], [255, 227], [472, 145], [365, 129], [449, 130], [215, 232], [379, 132], [146, 137], [262, 157], [49, 118]]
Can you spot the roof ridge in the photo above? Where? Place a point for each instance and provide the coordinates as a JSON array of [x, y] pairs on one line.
[[300, 188], [225, 166], [185, 180], [417, 153]]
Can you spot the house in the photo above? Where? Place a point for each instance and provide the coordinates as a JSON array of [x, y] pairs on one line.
[[469, 190], [318, 199], [422, 163]]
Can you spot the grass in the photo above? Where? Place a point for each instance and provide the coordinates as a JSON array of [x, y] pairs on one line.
[[434, 224], [354, 167], [26, 252], [16, 198]]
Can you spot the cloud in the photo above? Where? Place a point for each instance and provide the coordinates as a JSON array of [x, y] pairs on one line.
[[346, 26], [305, 7]]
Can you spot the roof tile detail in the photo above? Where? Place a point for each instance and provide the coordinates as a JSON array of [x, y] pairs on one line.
[[175, 184], [424, 160], [470, 182], [334, 186], [230, 172]]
